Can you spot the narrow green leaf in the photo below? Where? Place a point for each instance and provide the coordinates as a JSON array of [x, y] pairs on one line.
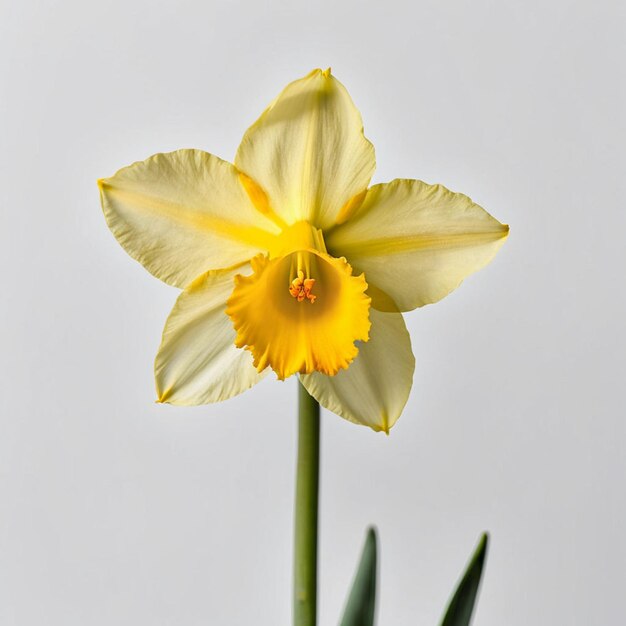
[[461, 605], [361, 605]]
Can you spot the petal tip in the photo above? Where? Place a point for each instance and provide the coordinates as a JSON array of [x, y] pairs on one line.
[[318, 71], [163, 396], [386, 427]]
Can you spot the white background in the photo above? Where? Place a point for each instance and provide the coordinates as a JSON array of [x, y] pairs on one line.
[[115, 510]]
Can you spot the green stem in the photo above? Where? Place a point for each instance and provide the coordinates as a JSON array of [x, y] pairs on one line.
[[307, 489]]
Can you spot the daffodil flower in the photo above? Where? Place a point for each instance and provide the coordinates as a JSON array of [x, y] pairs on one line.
[[289, 261]]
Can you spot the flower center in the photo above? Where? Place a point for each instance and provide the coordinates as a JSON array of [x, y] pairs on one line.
[[272, 323], [300, 288]]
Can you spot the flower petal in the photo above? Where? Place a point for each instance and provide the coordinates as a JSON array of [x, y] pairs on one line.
[[376, 386], [417, 242], [308, 152], [198, 362], [183, 213]]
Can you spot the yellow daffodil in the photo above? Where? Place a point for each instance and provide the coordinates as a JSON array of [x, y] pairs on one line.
[[289, 262]]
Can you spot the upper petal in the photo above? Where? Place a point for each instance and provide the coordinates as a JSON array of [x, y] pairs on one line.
[[308, 152], [376, 386], [198, 362], [183, 213], [417, 242]]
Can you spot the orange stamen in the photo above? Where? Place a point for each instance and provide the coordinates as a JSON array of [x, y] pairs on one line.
[[301, 287]]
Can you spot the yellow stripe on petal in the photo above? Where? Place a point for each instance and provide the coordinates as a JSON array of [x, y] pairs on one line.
[[182, 213], [308, 152], [301, 312], [417, 242]]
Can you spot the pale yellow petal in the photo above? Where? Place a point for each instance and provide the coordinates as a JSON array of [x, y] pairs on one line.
[[416, 242], [307, 151], [183, 213], [376, 386], [198, 362]]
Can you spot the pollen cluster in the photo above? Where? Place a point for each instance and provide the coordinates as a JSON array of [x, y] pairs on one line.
[[300, 288]]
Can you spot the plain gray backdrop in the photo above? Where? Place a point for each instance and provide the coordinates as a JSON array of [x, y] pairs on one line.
[[115, 510]]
